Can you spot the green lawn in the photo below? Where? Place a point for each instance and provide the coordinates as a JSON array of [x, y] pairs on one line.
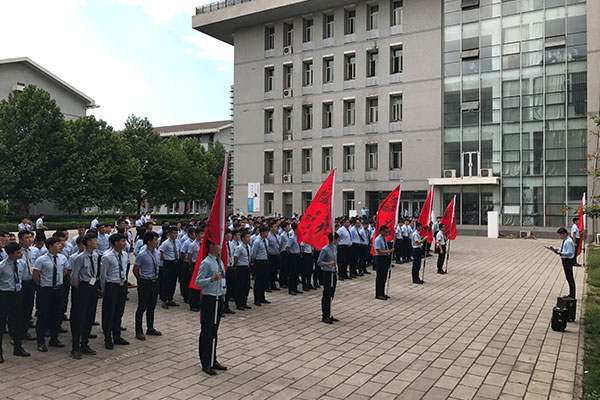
[[591, 361]]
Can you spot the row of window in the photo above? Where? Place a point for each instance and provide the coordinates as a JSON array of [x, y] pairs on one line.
[[349, 154], [372, 114], [348, 201], [372, 68], [372, 24]]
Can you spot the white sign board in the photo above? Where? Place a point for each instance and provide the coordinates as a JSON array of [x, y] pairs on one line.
[[254, 197]]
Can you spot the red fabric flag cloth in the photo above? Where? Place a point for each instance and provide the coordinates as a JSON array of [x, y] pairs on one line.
[[449, 220], [581, 225], [317, 222], [387, 214], [425, 216], [215, 228]]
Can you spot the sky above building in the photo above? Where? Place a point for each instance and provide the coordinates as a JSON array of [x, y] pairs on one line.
[[137, 57]]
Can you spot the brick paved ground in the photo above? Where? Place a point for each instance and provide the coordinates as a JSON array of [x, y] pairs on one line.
[[480, 332]]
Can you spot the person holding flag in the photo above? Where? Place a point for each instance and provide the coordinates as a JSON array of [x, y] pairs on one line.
[[417, 253], [382, 262], [327, 263], [577, 230], [440, 239], [449, 229]]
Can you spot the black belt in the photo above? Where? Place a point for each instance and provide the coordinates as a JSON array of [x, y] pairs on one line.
[[50, 287], [149, 280], [116, 284], [242, 266]]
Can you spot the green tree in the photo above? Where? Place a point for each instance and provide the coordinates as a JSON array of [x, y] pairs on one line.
[[31, 128]]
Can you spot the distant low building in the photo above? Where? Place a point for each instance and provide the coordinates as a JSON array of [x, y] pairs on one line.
[[206, 132]]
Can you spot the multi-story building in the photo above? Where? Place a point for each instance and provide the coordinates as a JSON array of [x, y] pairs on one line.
[[485, 99]]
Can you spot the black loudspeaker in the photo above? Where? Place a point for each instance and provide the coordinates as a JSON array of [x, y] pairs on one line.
[[559, 319], [570, 304]]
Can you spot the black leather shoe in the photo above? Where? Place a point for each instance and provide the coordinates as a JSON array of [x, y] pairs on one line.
[[56, 343], [76, 355], [305, 289], [20, 352], [334, 319], [209, 370], [87, 350], [265, 301], [268, 291], [275, 288], [341, 278], [419, 282], [247, 307], [228, 311], [257, 303], [240, 308], [311, 287], [380, 298], [153, 332], [283, 286], [95, 323], [219, 367], [165, 305], [42, 348], [441, 272], [109, 345], [123, 329], [62, 330], [121, 341], [172, 304], [292, 293], [327, 321], [194, 309], [140, 336], [298, 291], [367, 273], [92, 336], [386, 296]]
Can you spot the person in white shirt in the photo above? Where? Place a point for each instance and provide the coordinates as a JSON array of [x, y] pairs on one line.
[[576, 236], [440, 239], [94, 223]]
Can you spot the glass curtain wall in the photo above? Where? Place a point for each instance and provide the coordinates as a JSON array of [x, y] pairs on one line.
[[515, 93]]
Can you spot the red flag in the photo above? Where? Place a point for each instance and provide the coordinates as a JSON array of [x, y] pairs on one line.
[[425, 216], [215, 227], [449, 220], [387, 214], [318, 220], [581, 225]]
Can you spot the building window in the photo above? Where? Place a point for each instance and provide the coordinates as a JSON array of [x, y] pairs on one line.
[[372, 157], [350, 23], [306, 199], [307, 76], [396, 58], [396, 13], [308, 31], [349, 112], [396, 108], [327, 159], [372, 17], [396, 155], [269, 75], [372, 62], [328, 70], [269, 203], [288, 75], [327, 26], [288, 37], [288, 162], [348, 158], [372, 110], [327, 115], [350, 67], [287, 120], [307, 120], [348, 200], [269, 121], [306, 161], [269, 37], [269, 162]]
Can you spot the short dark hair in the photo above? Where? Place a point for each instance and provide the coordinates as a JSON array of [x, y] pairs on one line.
[[199, 230], [115, 237], [172, 229], [62, 229], [3, 233], [149, 236], [24, 233], [78, 240], [81, 227], [575, 219], [243, 234], [263, 229], [51, 241], [562, 231], [283, 225], [12, 248], [87, 238], [332, 236], [59, 234], [418, 225]]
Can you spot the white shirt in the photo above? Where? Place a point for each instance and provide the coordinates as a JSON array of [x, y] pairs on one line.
[[575, 231], [39, 223]]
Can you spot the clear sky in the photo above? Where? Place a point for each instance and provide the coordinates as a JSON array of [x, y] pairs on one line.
[[137, 57]]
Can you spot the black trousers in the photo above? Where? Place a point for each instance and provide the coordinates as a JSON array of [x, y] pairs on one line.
[[417, 254], [261, 268], [28, 295], [273, 268], [65, 288], [185, 274], [39, 233], [329, 284], [231, 279], [307, 269], [398, 250], [283, 268], [11, 309], [317, 272], [208, 329], [168, 280], [568, 268], [382, 264], [353, 259], [294, 264], [84, 300], [147, 297], [577, 243], [194, 298], [407, 248], [364, 256], [242, 285], [441, 258], [342, 260], [49, 313], [113, 306]]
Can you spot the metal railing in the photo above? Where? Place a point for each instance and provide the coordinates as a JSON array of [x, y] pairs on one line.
[[218, 5]]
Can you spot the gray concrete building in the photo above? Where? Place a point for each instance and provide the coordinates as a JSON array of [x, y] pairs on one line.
[[485, 99], [207, 133]]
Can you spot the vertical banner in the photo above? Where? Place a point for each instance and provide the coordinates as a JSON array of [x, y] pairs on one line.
[[254, 197]]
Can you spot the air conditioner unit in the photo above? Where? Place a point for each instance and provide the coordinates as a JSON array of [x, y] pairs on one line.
[[19, 87], [449, 173], [486, 172], [288, 50], [524, 234], [288, 93], [287, 179], [289, 136]]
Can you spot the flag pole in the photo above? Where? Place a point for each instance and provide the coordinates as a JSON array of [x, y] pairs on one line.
[[214, 339], [387, 291], [448, 253]]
